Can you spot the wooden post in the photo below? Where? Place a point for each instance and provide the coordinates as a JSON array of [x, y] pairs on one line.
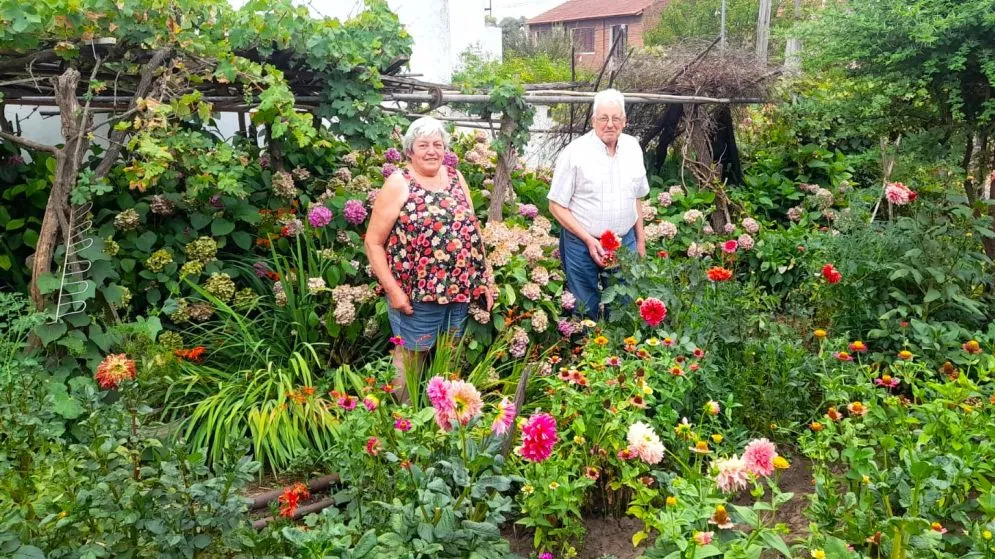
[[763, 32], [505, 165]]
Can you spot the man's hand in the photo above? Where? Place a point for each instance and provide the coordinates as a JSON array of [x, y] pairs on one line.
[[399, 301], [641, 247], [597, 251]]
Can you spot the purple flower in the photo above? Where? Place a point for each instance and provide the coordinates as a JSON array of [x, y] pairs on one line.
[[528, 211], [388, 169], [319, 216], [264, 160], [546, 555], [261, 269], [216, 202], [354, 211], [565, 327], [392, 155], [15, 160], [450, 159]]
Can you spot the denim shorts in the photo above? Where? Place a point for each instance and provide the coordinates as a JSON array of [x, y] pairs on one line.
[[420, 328]]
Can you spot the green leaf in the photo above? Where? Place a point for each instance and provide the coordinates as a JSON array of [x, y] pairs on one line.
[[221, 227], [29, 552], [5, 262], [198, 220], [775, 541], [747, 515], [706, 551], [200, 541], [242, 239], [146, 241], [15, 224], [48, 333], [47, 283], [62, 403]]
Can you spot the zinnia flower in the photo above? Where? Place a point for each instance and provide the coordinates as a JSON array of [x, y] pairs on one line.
[[712, 407], [371, 403], [759, 457], [857, 408], [858, 346], [833, 414], [831, 274], [720, 518], [730, 246], [347, 402], [887, 381], [645, 443], [505, 417], [703, 538], [538, 437], [905, 355], [717, 273], [373, 446], [113, 370], [403, 425], [972, 347], [653, 311]]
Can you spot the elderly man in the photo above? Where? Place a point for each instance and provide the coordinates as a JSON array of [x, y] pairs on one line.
[[597, 183]]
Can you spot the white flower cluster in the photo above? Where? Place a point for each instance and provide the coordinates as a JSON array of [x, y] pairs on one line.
[[346, 297]]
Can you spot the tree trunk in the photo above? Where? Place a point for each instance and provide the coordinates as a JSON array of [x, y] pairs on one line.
[[68, 160], [505, 165]]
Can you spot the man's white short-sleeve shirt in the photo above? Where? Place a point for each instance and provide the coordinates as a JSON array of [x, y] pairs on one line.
[[600, 190]]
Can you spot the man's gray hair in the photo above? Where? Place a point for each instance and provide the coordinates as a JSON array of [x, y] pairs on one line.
[[609, 97], [422, 128]]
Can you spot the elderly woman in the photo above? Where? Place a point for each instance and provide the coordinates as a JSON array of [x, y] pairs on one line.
[[424, 245]]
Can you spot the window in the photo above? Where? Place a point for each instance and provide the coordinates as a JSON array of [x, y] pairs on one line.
[[621, 33], [583, 38]]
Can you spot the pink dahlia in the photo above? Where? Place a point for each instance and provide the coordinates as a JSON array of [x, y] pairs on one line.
[[899, 194], [438, 394], [759, 457], [466, 402], [538, 437], [653, 311], [730, 246], [733, 474], [505, 417], [644, 442]]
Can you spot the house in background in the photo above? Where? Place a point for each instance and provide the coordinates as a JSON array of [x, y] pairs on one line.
[[595, 24]]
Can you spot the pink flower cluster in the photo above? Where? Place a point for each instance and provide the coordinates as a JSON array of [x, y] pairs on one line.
[[538, 438], [758, 460], [319, 216], [899, 194], [454, 400]]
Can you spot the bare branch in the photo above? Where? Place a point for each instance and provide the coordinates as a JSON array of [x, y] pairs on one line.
[[28, 143]]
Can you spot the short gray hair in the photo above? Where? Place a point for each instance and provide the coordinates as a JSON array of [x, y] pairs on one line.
[[609, 97], [422, 128]]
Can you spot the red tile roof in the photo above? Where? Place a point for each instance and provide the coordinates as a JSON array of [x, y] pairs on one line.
[[573, 10]]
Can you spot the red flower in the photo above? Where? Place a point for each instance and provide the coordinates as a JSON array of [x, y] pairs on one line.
[[653, 311], [373, 446], [195, 355], [113, 370], [717, 273], [831, 274], [663, 254], [291, 497], [730, 246], [609, 241]]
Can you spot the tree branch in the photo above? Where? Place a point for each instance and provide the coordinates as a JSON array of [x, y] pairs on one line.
[[28, 143]]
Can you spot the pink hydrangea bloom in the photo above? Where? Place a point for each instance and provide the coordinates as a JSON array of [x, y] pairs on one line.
[[759, 457], [319, 216]]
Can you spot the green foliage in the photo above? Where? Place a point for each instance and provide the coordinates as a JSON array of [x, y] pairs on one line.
[[477, 70], [24, 189], [701, 19]]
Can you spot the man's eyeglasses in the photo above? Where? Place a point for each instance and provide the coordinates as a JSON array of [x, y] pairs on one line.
[[616, 120]]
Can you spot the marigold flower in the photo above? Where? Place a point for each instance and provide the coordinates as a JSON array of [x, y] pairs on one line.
[[857, 408], [718, 273], [781, 463], [717, 438], [858, 346], [671, 501], [905, 355], [815, 426], [115, 369], [653, 311], [819, 333]]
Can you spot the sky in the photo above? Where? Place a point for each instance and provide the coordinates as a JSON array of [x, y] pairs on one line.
[[522, 8]]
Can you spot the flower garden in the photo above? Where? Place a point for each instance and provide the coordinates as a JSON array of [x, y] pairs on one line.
[[811, 376]]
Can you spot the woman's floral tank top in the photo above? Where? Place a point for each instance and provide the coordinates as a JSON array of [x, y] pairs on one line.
[[435, 250]]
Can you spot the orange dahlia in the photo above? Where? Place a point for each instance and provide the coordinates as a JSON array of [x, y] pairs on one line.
[[113, 370]]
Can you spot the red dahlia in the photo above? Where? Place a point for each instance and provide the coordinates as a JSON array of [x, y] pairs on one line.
[[653, 311], [717, 273], [609, 241]]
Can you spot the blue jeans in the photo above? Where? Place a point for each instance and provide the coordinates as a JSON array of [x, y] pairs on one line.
[[585, 279], [420, 328]]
